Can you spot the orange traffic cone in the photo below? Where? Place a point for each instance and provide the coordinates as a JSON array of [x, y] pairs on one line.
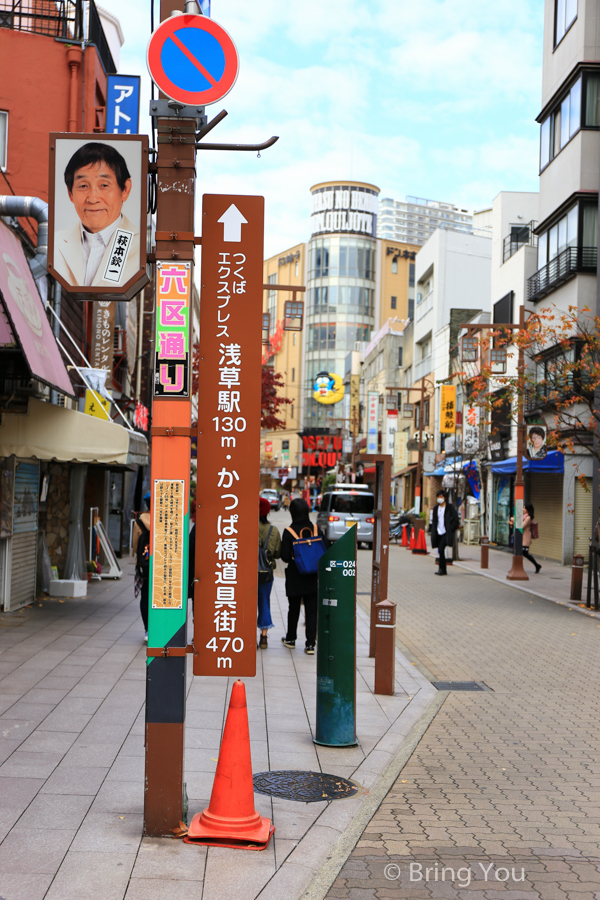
[[231, 819], [404, 535], [421, 543], [411, 544]]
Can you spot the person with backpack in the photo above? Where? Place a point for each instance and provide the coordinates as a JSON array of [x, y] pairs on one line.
[[269, 549], [301, 573], [141, 548]]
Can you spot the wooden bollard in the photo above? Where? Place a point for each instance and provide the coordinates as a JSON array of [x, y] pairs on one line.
[[577, 576], [485, 552], [385, 647]]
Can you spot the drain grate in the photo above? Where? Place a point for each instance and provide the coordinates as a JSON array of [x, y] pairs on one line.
[[307, 787], [460, 686]]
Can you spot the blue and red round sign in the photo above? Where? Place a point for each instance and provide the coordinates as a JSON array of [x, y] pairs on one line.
[[193, 60]]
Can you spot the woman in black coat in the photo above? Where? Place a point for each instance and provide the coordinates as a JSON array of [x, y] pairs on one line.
[[299, 587]]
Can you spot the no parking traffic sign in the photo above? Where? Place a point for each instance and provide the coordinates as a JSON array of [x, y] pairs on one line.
[[192, 60]]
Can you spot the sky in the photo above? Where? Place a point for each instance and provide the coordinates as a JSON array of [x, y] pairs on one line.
[[435, 98]]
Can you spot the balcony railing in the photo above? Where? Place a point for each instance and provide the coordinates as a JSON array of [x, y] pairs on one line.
[[520, 236], [423, 368], [60, 19], [424, 306], [560, 269]]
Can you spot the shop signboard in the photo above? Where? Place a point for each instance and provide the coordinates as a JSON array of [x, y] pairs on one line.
[[391, 426], [96, 405], [448, 409], [471, 430], [372, 422], [400, 451], [97, 214], [103, 330], [123, 104], [228, 436], [172, 343]]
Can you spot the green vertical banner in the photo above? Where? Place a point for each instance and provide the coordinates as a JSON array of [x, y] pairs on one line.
[[336, 645]]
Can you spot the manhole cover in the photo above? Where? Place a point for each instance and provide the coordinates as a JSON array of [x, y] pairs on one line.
[[308, 787], [460, 686]]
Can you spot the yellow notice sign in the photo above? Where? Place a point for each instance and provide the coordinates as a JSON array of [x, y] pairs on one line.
[[95, 405], [167, 554], [448, 409]]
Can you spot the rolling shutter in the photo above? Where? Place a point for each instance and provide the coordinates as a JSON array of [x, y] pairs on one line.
[[583, 518], [546, 494]]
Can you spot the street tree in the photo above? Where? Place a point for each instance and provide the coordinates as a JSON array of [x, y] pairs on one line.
[[271, 400]]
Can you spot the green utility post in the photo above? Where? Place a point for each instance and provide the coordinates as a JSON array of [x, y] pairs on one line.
[[336, 645]]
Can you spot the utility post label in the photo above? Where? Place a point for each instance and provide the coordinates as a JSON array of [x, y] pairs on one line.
[[228, 436], [172, 347], [168, 577]]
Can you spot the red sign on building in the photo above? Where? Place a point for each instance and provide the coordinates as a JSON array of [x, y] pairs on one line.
[[228, 435]]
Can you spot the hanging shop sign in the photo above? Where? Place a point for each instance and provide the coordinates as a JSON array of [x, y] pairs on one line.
[[536, 442], [103, 330], [123, 104], [391, 427], [328, 388], [96, 405], [400, 451], [448, 409], [172, 343], [228, 435], [97, 214], [372, 422], [470, 441]]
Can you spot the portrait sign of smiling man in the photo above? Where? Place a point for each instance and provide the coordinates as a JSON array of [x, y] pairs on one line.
[[96, 242]]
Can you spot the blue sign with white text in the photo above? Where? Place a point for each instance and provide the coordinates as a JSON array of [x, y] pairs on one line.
[[205, 7], [123, 104]]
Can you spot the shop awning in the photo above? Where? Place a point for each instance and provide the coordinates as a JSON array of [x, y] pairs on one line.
[[447, 467], [52, 432], [27, 317], [552, 464], [405, 471]]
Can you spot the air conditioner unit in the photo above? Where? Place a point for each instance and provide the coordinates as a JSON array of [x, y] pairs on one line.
[[471, 531]]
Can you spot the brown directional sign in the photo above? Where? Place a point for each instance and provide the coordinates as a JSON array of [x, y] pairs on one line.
[[225, 598]]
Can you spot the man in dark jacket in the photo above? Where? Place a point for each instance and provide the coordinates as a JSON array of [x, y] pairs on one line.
[[444, 523]]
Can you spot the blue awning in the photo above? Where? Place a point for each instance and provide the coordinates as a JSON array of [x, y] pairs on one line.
[[552, 464], [447, 467]]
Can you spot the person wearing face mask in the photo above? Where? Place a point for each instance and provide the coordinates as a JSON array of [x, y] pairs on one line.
[[444, 523]]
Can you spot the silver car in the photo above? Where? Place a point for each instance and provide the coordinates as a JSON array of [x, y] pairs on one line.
[[347, 506]]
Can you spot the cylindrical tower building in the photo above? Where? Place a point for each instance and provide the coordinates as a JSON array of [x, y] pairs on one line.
[[341, 285]]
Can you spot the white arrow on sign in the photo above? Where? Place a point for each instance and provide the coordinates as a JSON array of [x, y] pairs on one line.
[[232, 220]]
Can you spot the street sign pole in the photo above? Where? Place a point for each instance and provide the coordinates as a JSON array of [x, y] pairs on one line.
[[170, 474]]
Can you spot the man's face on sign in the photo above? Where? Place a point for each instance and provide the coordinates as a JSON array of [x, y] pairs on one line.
[[97, 197]]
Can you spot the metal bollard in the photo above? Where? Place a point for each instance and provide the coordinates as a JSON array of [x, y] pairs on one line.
[[385, 647], [577, 576], [485, 552]]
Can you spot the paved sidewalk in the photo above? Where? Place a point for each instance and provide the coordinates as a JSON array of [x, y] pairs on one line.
[[72, 683], [501, 798]]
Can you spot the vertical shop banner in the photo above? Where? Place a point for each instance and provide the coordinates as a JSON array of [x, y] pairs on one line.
[[448, 409], [470, 443], [172, 346], [391, 427], [228, 436], [372, 422], [103, 335], [169, 587], [400, 451]]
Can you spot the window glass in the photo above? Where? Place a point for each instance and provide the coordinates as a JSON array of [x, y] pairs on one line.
[[590, 226], [572, 227], [570, 12], [393, 304], [562, 234], [560, 20], [352, 503], [3, 138], [564, 121], [395, 266], [575, 112], [592, 100], [411, 275], [556, 134], [553, 242], [545, 132]]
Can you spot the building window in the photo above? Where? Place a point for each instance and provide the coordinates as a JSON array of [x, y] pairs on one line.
[[569, 246], [296, 268], [565, 120], [411, 308], [395, 266], [294, 339], [411, 275], [418, 414], [293, 374], [393, 302], [3, 139], [399, 357], [292, 411], [426, 414], [565, 13]]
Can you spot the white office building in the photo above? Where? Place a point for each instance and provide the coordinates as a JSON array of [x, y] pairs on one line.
[[414, 220]]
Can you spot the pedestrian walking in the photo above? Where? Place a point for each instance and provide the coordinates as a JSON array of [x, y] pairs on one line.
[[269, 549], [444, 523], [299, 587], [528, 514], [141, 547]]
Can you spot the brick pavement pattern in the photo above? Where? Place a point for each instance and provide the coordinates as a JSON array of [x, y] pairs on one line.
[[501, 798]]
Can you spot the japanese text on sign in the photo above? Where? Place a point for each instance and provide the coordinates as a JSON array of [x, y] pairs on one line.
[[167, 570], [448, 409], [173, 292]]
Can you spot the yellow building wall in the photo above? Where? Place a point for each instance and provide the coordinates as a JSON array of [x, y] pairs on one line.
[[395, 284], [284, 354]]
